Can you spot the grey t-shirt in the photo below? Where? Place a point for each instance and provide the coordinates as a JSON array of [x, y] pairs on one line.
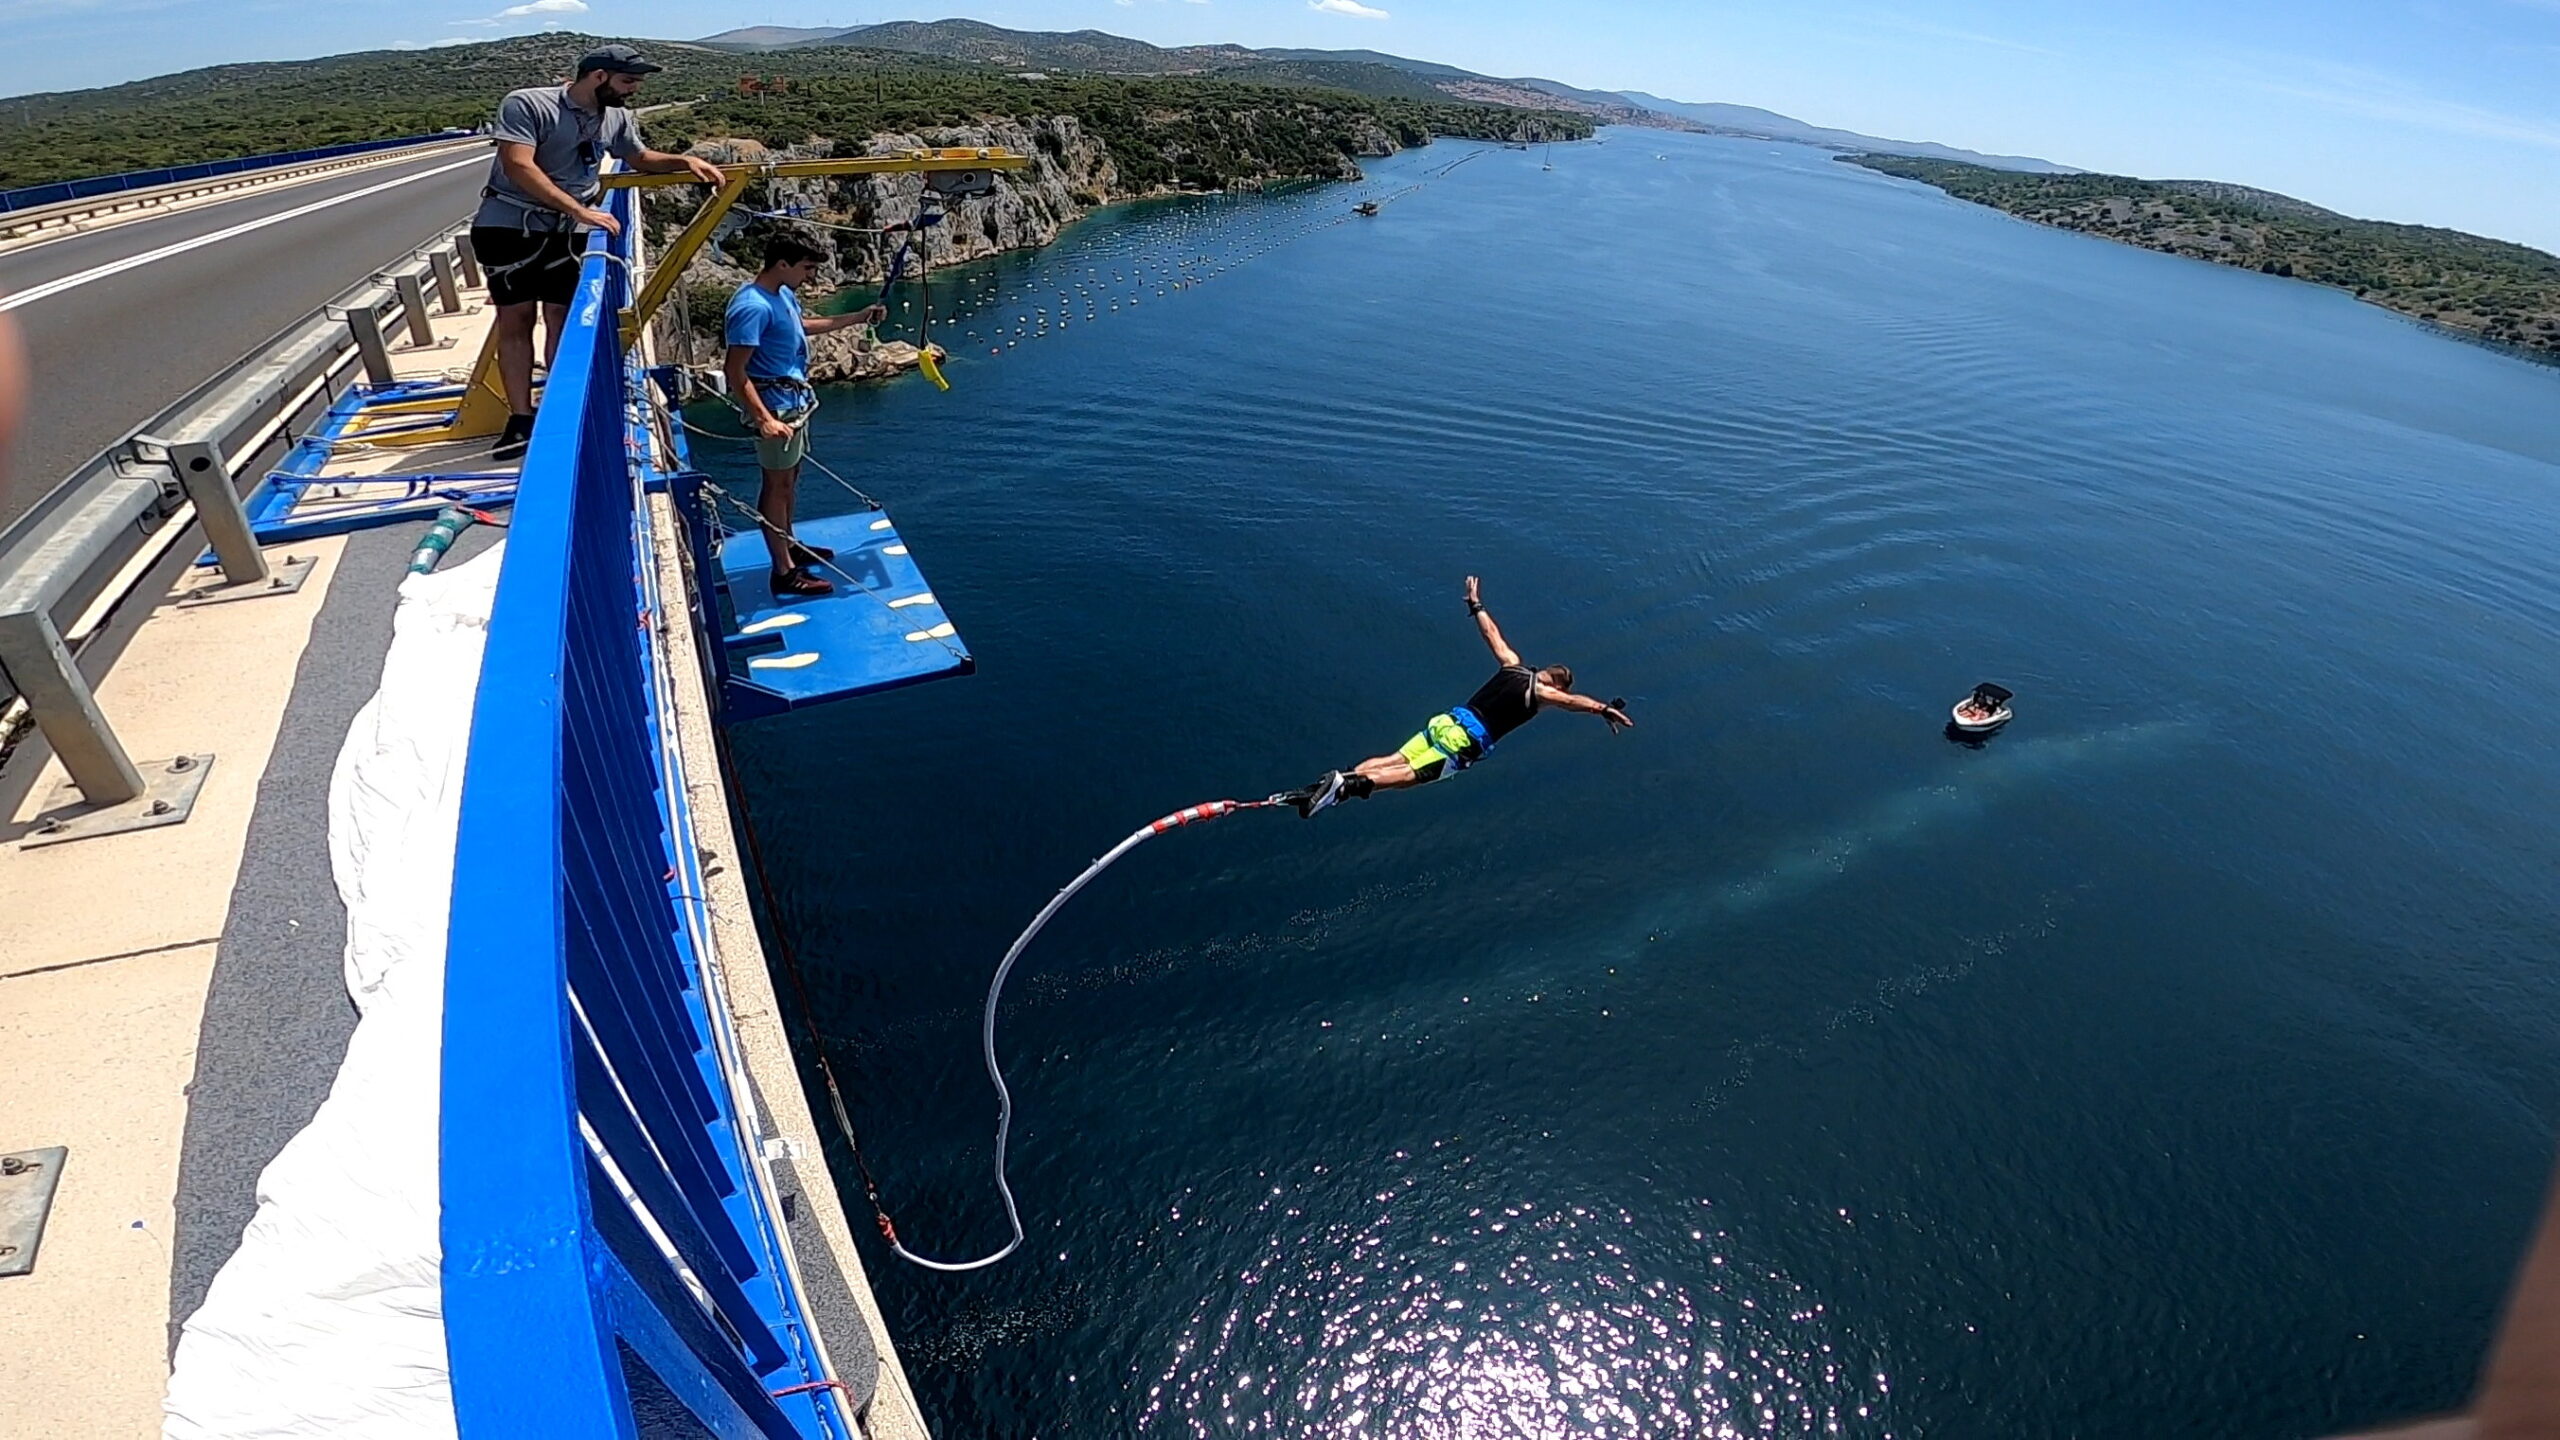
[[568, 145]]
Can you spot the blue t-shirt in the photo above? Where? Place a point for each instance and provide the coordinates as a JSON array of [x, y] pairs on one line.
[[769, 321]]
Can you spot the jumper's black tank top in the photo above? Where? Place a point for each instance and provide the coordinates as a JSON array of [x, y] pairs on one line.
[[1505, 702]]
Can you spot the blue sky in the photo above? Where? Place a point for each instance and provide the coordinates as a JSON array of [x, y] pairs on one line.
[[2443, 112]]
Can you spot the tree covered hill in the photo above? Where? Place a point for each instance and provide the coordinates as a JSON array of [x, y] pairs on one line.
[[1358, 77], [1164, 132], [2495, 290], [984, 44], [837, 91], [230, 110], [1368, 72]]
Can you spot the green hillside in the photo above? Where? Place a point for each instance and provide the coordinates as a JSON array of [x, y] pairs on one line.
[[2489, 288], [840, 91], [1192, 131], [981, 43], [1359, 78], [229, 110]]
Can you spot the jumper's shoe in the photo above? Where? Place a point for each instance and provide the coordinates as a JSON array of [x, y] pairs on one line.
[[1323, 794]]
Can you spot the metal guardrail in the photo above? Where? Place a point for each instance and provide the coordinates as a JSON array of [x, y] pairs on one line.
[[603, 1212], [29, 197], [113, 529]]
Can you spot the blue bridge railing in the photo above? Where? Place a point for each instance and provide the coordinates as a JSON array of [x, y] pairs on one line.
[[610, 1255], [30, 196]]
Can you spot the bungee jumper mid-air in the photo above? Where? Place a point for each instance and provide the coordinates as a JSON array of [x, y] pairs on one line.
[[1459, 737], [1451, 741]]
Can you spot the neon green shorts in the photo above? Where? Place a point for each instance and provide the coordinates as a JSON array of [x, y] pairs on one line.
[[1443, 746]]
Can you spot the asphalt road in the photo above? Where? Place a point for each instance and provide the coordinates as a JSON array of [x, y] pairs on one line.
[[107, 353]]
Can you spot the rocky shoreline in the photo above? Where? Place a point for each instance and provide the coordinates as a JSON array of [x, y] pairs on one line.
[[1071, 175]]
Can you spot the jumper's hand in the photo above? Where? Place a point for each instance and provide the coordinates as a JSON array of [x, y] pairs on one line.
[[703, 170], [1475, 594], [599, 220], [1615, 712], [772, 429]]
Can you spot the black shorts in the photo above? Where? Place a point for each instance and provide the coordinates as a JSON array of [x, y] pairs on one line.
[[524, 265]]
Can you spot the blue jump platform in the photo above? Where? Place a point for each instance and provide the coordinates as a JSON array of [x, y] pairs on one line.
[[880, 630]]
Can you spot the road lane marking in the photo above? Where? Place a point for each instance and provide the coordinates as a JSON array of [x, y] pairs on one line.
[[224, 190], [133, 262]]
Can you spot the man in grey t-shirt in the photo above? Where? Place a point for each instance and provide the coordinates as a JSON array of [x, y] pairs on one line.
[[542, 188]]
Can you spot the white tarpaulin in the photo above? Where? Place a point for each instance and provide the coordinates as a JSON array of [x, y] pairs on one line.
[[328, 1320]]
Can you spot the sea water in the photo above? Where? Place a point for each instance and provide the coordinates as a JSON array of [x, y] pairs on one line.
[[2180, 1062]]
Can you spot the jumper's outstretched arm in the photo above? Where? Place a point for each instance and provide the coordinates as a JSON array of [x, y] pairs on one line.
[[1583, 704], [1502, 652]]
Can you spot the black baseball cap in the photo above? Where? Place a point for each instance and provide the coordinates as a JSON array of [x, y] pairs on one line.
[[620, 59]]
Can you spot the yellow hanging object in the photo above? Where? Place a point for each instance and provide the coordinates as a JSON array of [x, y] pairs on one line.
[[932, 371]]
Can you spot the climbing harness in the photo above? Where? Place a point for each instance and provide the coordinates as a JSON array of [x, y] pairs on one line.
[[787, 400], [701, 387], [1188, 815]]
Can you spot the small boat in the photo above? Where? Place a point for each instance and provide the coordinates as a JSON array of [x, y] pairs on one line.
[[1365, 207], [1983, 711]]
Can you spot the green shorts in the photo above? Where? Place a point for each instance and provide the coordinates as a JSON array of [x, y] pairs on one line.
[[1444, 745], [785, 453]]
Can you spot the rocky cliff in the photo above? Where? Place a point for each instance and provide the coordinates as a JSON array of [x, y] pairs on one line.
[[1070, 174]]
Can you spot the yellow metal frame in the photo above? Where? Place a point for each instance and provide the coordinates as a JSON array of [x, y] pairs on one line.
[[482, 411], [670, 267]]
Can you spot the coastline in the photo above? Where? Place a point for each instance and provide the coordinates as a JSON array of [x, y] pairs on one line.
[[864, 355], [2502, 296]]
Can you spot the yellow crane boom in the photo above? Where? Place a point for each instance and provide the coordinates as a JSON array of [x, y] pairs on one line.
[[482, 410]]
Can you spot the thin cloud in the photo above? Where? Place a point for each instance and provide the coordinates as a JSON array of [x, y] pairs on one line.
[[1352, 8], [1963, 37], [527, 11], [2377, 96]]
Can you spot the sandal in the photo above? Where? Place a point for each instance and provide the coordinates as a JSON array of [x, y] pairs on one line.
[[798, 584]]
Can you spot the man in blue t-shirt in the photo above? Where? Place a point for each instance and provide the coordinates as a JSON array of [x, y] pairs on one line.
[[768, 368]]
